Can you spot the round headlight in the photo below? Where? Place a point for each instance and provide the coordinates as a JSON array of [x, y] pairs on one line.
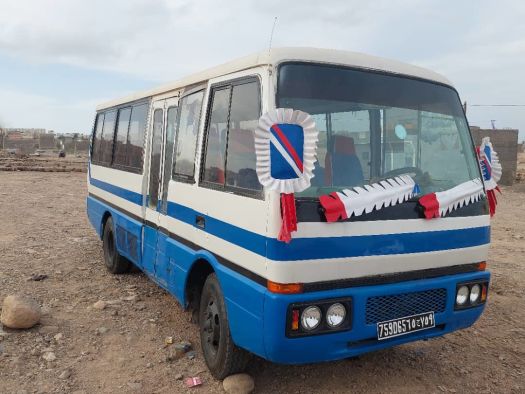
[[475, 291], [462, 295], [311, 318], [335, 315]]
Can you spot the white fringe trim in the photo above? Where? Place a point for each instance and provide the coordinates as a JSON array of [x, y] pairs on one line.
[[459, 196], [495, 164], [386, 193]]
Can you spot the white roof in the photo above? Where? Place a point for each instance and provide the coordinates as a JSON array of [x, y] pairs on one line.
[[279, 55]]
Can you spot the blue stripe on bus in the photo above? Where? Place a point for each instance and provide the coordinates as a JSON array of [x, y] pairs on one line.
[[126, 194], [254, 242], [377, 245], [320, 247], [336, 247]]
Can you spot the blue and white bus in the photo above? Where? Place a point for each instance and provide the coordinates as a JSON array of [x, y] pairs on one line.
[[174, 190]]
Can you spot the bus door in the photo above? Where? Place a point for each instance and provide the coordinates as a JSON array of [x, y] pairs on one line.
[[159, 173]]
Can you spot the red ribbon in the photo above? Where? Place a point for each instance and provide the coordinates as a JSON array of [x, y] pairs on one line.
[[334, 209], [491, 196], [289, 217], [430, 205]]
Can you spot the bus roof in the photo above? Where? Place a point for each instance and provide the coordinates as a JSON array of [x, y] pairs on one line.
[[279, 55]]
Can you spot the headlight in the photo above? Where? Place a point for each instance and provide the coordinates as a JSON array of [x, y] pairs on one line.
[[316, 317], [471, 295], [475, 292], [462, 295], [335, 315], [311, 318]]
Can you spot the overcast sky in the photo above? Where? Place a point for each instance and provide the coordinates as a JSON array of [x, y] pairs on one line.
[[59, 58]]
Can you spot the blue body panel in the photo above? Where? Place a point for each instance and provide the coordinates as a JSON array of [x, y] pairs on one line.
[[361, 338], [168, 262], [149, 255], [257, 317]]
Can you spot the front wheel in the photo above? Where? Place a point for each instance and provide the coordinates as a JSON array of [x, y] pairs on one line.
[[115, 263], [222, 356]]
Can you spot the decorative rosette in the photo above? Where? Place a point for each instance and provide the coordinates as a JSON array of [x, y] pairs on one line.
[[491, 170], [285, 145]]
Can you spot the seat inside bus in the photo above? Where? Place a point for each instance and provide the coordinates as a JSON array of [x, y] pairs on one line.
[[342, 166]]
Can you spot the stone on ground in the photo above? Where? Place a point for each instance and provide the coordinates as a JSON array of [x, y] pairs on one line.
[[100, 305], [49, 356], [20, 312], [238, 384]]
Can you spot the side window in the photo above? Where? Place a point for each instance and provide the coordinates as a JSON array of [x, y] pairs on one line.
[[230, 150], [121, 136], [171, 125], [106, 142], [156, 145], [187, 131], [244, 117], [217, 130], [95, 144], [135, 142]]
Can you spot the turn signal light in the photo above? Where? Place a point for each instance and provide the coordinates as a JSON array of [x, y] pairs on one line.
[[285, 288], [483, 292], [295, 319], [482, 266]]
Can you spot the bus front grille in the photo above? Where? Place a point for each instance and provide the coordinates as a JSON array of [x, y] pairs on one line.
[[382, 308]]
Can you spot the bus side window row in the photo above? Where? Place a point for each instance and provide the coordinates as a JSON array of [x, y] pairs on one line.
[[230, 159], [119, 138]]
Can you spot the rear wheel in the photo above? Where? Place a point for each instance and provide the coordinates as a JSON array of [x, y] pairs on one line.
[[222, 356], [115, 263]]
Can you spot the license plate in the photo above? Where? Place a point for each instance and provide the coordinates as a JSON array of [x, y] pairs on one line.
[[405, 325]]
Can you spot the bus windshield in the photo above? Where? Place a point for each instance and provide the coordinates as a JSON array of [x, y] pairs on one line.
[[374, 126]]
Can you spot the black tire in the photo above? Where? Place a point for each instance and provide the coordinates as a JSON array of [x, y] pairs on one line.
[[222, 356], [115, 263]]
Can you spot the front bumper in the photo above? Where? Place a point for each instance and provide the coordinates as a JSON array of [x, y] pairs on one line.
[[362, 337]]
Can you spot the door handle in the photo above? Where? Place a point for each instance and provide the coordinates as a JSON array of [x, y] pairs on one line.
[[200, 221]]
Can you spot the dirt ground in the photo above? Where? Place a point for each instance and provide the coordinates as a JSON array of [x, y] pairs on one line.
[[44, 230], [49, 162]]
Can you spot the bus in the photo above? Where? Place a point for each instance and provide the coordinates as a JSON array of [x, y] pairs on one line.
[[176, 188]]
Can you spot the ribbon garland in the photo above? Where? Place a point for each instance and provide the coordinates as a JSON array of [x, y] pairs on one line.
[[342, 205], [439, 204]]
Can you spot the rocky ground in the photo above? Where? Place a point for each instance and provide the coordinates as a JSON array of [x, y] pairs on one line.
[[123, 344]]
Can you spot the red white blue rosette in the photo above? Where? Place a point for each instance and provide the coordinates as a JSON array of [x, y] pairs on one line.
[[491, 170], [285, 145]]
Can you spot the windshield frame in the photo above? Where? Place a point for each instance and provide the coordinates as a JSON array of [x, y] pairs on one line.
[[379, 149]]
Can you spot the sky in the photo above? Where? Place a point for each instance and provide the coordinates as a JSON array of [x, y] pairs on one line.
[[60, 58]]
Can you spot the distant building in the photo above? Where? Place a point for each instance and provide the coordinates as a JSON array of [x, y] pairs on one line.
[[47, 141], [505, 142], [27, 141]]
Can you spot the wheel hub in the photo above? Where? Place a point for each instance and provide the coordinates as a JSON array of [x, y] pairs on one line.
[[212, 327]]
